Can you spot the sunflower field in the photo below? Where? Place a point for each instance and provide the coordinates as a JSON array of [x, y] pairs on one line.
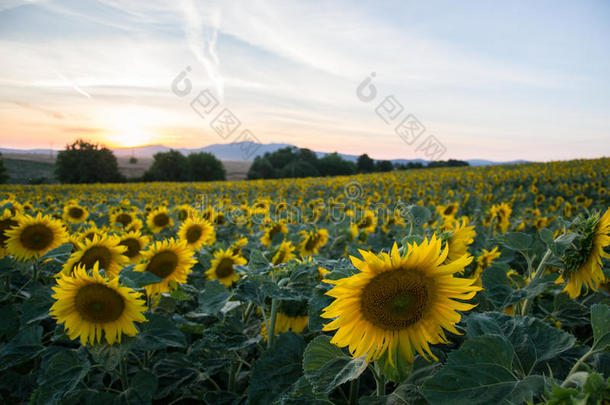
[[450, 285]]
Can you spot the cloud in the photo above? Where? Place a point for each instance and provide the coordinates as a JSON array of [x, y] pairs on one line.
[[45, 111]]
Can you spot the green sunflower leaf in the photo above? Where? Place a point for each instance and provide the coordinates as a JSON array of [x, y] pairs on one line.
[[277, 369], [516, 240], [213, 298], [481, 372], [137, 279], [326, 366], [600, 322], [534, 342]]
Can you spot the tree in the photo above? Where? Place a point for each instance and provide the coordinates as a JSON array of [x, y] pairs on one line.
[[167, 166], [3, 175], [383, 166], [365, 164], [448, 163], [299, 168], [204, 166], [261, 168], [85, 162], [335, 165], [281, 157]]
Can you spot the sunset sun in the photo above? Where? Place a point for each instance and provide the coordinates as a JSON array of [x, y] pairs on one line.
[[130, 127]]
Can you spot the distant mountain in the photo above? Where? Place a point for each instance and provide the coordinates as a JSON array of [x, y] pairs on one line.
[[33, 151], [238, 151]]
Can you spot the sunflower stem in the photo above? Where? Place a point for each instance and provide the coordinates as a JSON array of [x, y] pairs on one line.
[[248, 312], [379, 380], [578, 364], [123, 371], [271, 329], [353, 391], [527, 303], [36, 270], [232, 376]]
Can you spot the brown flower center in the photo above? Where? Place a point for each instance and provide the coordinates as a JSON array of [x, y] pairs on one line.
[[100, 254], [163, 264], [76, 212], [124, 219], [395, 299], [193, 234], [99, 303], [161, 220], [225, 268], [133, 247], [36, 237]]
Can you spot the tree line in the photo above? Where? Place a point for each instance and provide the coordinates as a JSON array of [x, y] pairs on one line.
[[299, 162], [86, 162]]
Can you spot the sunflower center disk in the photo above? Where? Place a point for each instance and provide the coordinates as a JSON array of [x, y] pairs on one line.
[[395, 299], [225, 268], [133, 247], [124, 219], [193, 234], [161, 220], [163, 264], [311, 243], [94, 254], [98, 303], [36, 237], [75, 212]]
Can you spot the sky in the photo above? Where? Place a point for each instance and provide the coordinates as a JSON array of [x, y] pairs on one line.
[[478, 79]]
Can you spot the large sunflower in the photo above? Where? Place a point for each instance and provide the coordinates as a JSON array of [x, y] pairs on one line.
[[104, 250], [74, 213], [158, 220], [223, 267], [169, 260], [197, 232], [89, 304], [399, 302], [34, 236], [135, 243], [583, 260]]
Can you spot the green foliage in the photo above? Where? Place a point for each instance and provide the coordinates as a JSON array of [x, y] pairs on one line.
[[584, 389], [167, 166], [448, 163], [481, 371], [85, 162], [204, 166], [3, 173], [600, 322], [277, 369], [383, 166], [326, 366], [365, 164], [174, 166]]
